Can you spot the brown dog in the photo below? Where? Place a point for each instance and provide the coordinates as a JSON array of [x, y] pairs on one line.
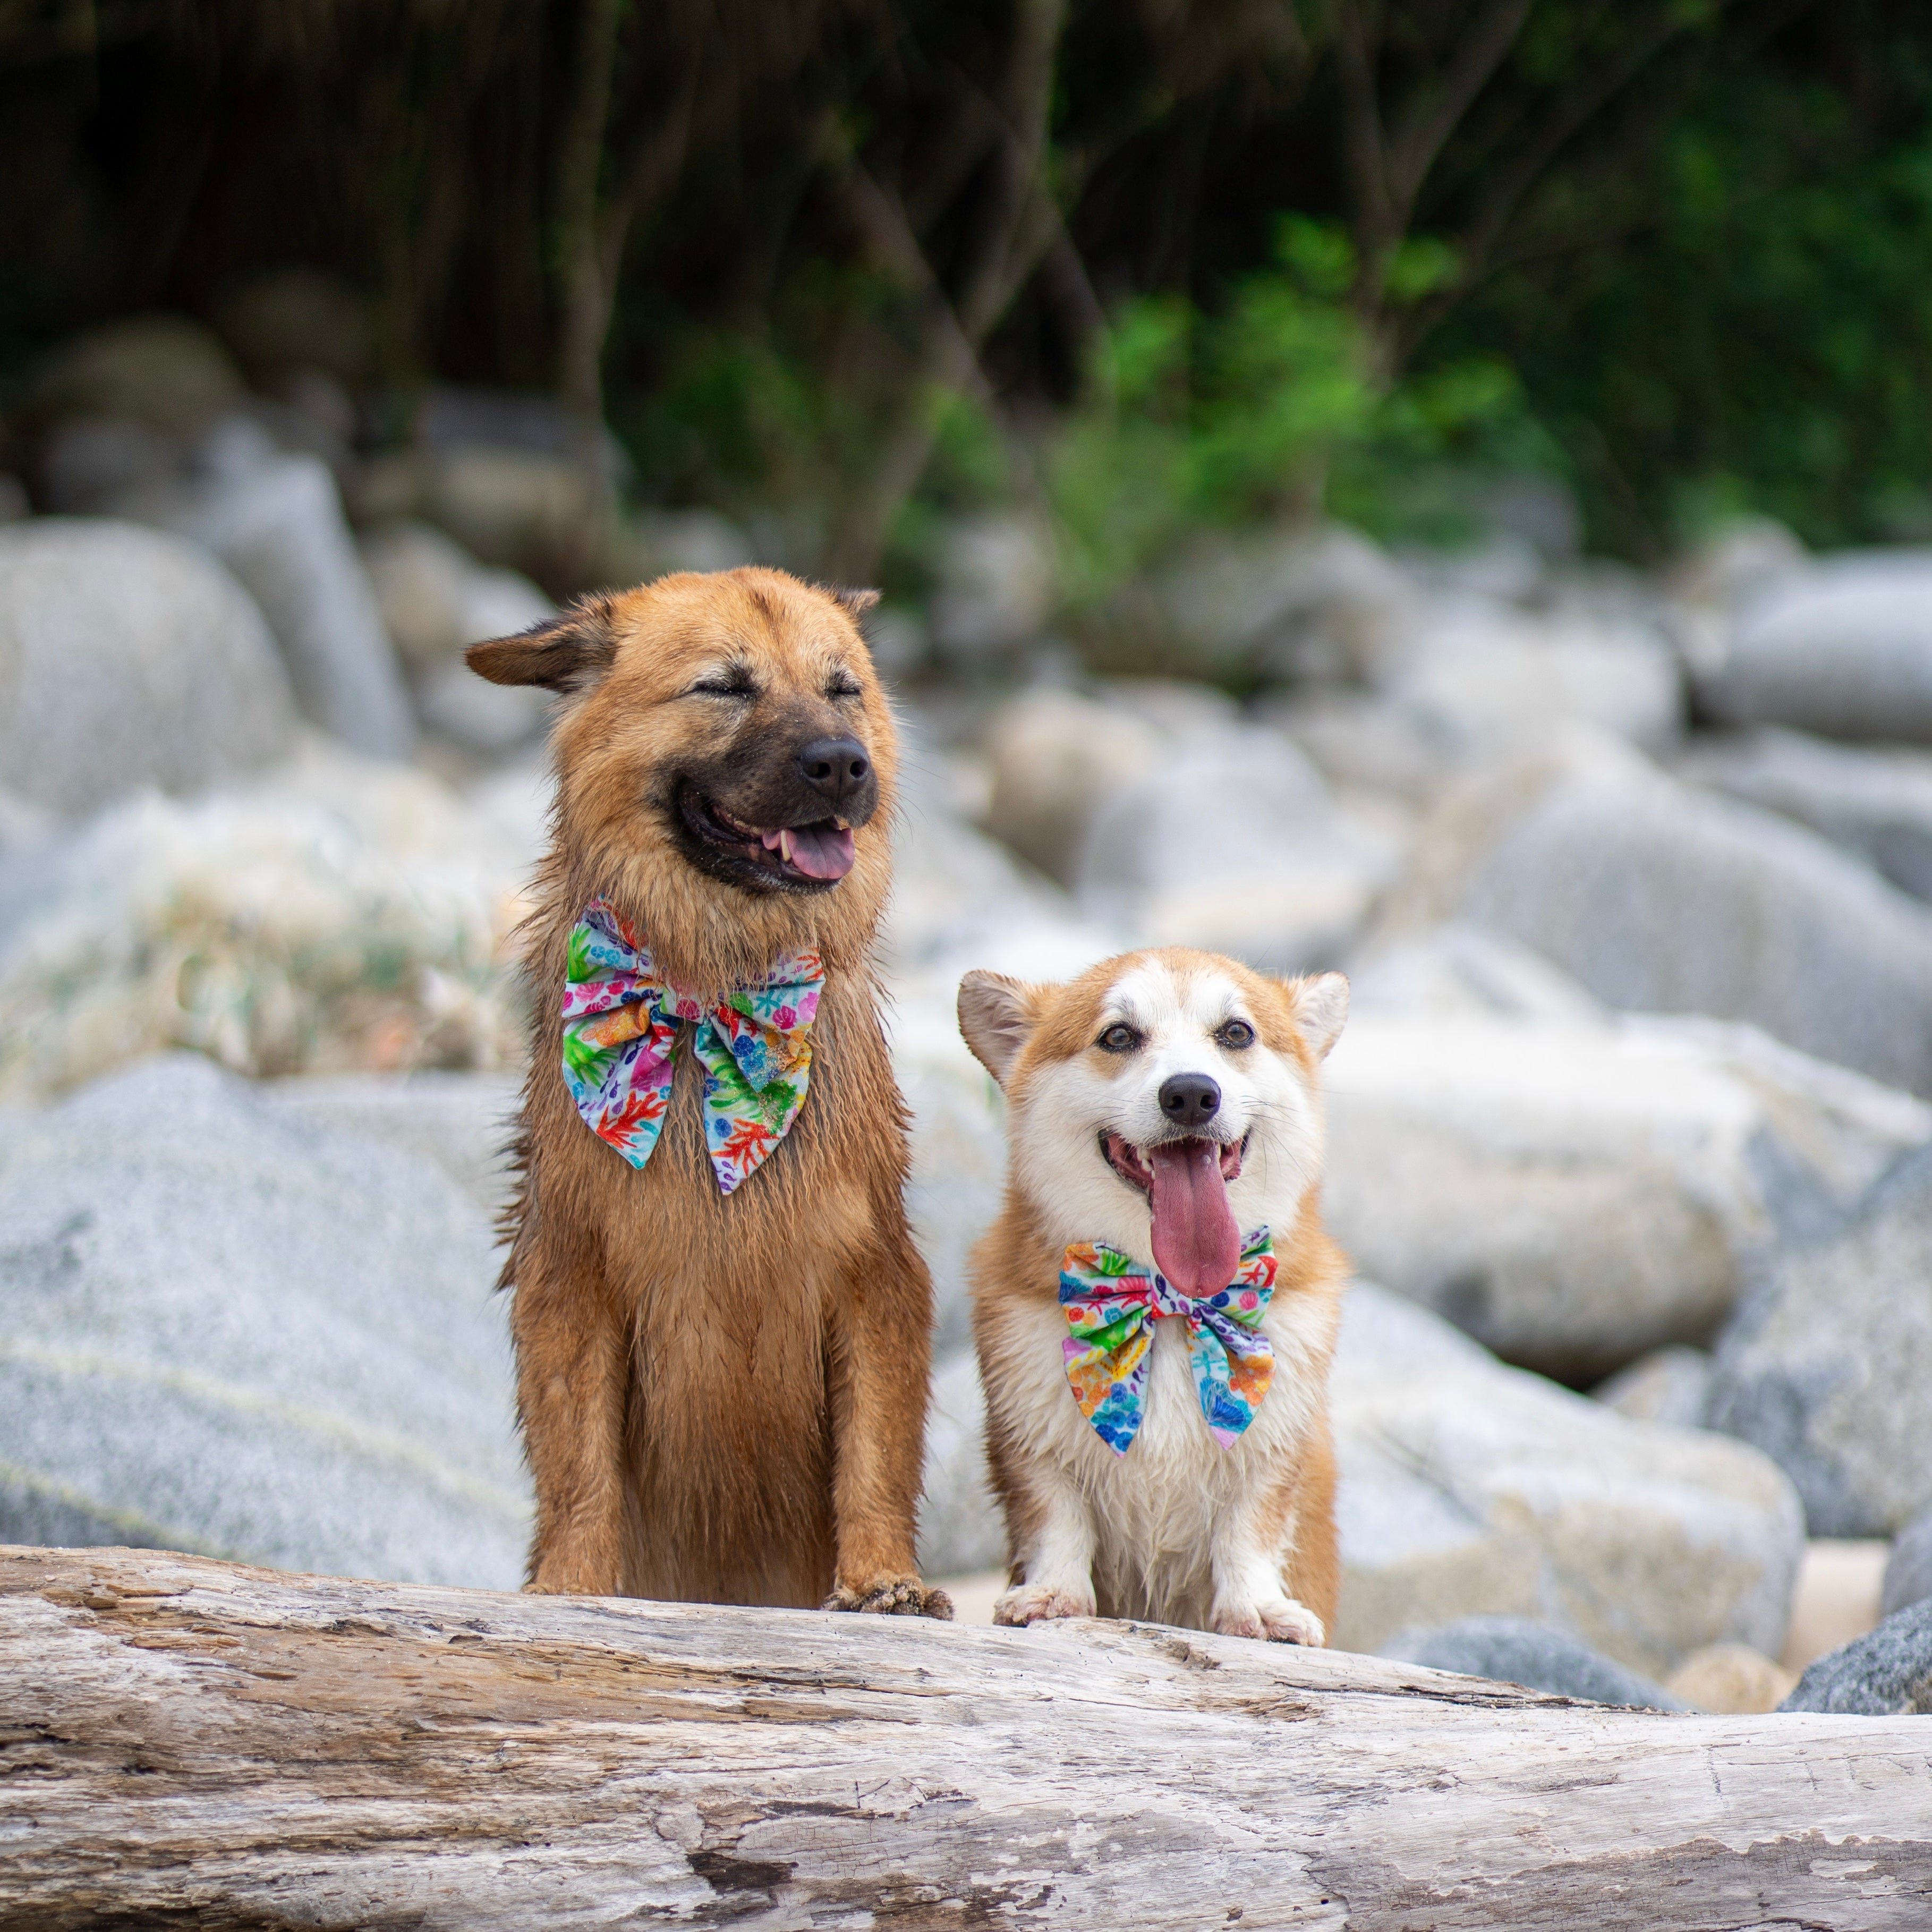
[[723, 1394], [1164, 1132]]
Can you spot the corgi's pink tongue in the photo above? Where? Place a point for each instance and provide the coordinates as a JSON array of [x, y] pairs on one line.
[[818, 854], [1196, 1244]]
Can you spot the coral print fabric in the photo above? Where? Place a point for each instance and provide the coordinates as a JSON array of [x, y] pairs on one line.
[[622, 1027], [1111, 1305]]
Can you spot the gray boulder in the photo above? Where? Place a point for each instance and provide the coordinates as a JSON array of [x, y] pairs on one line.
[[1908, 1570], [1572, 1193], [128, 659], [1661, 899], [164, 372], [1885, 1673], [225, 1329], [960, 1528], [461, 1123], [1842, 648], [1827, 1366], [1672, 1386], [1519, 1650], [277, 522], [1467, 1488], [1876, 803]]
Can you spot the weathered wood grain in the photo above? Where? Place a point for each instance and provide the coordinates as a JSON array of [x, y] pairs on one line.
[[188, 1743]]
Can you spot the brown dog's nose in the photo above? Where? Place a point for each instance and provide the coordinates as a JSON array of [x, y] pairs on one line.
[[1189, 1099], [836, 767]]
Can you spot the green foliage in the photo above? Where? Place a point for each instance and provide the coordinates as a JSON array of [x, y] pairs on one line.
[[1269, 409], [1762, 340]]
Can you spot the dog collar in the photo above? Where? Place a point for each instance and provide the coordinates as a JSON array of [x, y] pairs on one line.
[[622, 1025], [1112, 1304]]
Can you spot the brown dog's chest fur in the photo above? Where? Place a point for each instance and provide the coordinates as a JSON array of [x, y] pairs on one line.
[[726, 1300]]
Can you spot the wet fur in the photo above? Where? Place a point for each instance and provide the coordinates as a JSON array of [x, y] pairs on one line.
[[723, 1398], [1178, 1530]]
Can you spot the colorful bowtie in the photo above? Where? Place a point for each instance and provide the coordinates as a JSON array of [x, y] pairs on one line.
[[1111, 1305], [621, 1024]]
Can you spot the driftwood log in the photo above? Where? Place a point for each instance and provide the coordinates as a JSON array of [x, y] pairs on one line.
[[185, 1743]]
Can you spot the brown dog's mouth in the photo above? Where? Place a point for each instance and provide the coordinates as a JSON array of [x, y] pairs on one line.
[[811, 857]]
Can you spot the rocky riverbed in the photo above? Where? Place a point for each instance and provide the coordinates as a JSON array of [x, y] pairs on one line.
[[1630, 1131]]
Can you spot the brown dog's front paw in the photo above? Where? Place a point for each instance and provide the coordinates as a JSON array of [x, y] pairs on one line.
[[892, 1597]]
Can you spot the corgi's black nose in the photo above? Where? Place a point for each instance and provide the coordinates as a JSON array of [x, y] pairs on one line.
[[1189, 1099], [838, 767]]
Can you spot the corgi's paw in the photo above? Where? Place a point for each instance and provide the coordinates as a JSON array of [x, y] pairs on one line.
[[892, 1597], [1041, 1603], [1279, 1620]]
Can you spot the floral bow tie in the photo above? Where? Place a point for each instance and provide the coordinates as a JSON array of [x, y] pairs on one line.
[[1111, 1305], [621, 1024]]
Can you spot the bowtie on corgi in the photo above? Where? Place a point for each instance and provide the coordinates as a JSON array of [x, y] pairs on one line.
[[1156, 1306]]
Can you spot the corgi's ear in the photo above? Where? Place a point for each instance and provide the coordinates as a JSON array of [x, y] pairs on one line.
[[1321, 1005], [996, 1017], [570, 651]]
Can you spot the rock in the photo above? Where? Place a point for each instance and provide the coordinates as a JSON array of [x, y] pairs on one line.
[[461, 1123], [1468, 1489], [1711, 582], [1519, 1650], [1574, 1194], [1460, 971], [1358, 739], [1875, 803], [1885, 1673], [1290, 606], [1231, 840], [434, 600], [1671, 1386], [661, 540], [1481, 677], [1661, 899], [1827, 1367], [277, 522], [960, 1528], [292, 320], [997, 585], [1908, 1570], [88, 464], [225, 1330], [1842, 648], [342, 915], [1840, 1583], [1731, 1677], [164, 372], [513, 507], [1055, 754], [128, 659]]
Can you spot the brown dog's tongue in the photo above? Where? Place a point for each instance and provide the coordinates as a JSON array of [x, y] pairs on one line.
[[1196, 1244], [818, 854]]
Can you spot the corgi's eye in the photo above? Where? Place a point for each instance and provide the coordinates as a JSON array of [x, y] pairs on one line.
[[1119, 1038], [1236, 1034]]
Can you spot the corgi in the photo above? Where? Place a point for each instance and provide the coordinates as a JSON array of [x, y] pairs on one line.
[[1156, 1308]]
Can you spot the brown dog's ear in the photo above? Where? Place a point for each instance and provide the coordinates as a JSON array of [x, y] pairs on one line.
[[856, 603], [1321, 1007], [569, 651], [997, 1018]]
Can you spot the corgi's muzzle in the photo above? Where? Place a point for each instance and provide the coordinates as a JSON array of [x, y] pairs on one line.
[[1197, 1245]]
